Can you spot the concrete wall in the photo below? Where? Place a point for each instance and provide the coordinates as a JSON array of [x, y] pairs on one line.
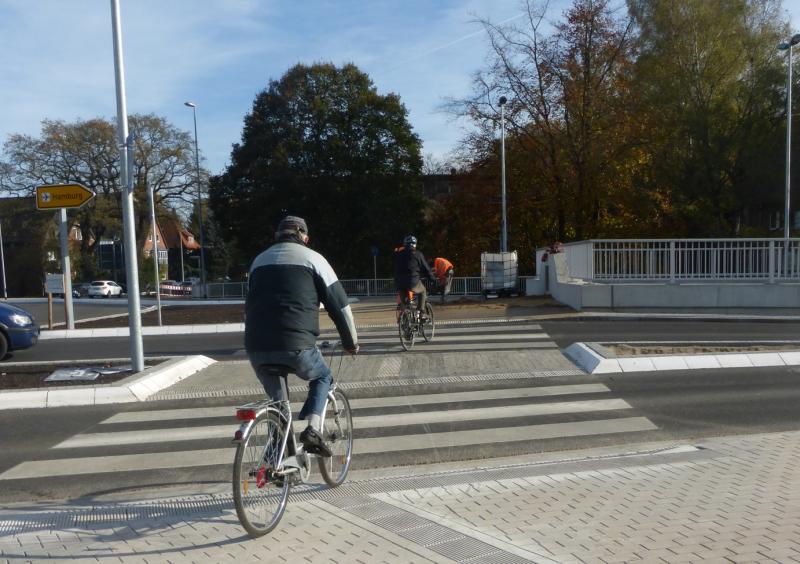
[[580, 294]]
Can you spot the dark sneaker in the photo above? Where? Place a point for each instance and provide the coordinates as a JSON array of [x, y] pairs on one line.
[[313, 443]]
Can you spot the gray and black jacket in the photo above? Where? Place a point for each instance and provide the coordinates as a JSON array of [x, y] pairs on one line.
[[287, 283]]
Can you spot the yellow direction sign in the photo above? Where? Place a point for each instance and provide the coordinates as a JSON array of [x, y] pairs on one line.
[[54, 196]]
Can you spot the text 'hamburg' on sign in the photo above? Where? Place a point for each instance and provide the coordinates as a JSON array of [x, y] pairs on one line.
[[53, 196]]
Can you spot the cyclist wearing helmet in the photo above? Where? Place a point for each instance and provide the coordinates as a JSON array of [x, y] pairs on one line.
[[409, 267], [287, 283]]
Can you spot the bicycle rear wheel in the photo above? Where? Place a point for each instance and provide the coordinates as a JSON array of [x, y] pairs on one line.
[[337, 431], [428, 328], [407, 329], [259, 494]]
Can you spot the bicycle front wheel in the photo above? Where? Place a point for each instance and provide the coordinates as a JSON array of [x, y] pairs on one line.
[[259, 493], [428, 328], [407, 329], [337, 431]]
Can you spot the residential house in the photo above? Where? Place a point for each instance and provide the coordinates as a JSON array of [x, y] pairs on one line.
[[182, 248]]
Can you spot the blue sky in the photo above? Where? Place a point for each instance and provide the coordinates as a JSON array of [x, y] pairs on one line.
[[58, 61]]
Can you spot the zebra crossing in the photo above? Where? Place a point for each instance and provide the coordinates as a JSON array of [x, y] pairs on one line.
[[454, 336], [413, 427]]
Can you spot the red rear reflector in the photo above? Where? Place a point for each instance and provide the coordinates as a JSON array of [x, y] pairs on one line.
[[245, 414], [237, 436]]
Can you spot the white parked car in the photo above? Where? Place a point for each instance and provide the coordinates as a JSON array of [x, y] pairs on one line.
[[104, 288]]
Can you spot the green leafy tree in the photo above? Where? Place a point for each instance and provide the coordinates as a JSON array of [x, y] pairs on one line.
[[323, 144], [712, 83], [27, 238]]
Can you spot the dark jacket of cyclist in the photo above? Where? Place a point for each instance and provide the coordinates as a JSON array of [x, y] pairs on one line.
[[287, 283], [410, 267]]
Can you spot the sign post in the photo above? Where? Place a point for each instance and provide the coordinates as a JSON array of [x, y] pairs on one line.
[[53, 284], [374, 251], [61, 197]]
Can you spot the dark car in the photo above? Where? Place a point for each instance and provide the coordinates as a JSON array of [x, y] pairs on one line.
[[82, 289], [18, 329]]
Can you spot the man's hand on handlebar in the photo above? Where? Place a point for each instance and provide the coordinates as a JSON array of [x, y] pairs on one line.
[[354, 350]]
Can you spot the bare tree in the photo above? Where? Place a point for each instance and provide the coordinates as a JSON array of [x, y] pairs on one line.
[[566, 117]]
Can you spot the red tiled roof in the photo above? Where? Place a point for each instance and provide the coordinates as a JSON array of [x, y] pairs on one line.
[[173, 233]]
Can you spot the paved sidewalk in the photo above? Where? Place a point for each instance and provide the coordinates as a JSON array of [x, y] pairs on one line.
[[731, 499]]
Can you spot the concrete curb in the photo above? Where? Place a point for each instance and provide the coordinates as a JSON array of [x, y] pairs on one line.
[[590, 357], [146, 331], [135, 388]]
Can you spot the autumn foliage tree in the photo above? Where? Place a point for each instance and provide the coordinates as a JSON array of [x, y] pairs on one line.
[[665, 119]]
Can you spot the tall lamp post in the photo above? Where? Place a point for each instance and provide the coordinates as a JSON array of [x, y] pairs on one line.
[[786, 211], [504, 233], [199, 200], [3, 264]]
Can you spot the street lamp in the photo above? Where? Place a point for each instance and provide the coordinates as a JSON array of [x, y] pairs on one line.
[[504, 234], [783, 47], [3, 265], [199, 201]]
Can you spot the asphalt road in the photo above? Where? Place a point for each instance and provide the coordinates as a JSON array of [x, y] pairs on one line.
[[222, 346], [82, 308], [564, 333]]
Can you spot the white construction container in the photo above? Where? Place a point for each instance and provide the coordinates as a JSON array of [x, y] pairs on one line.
[[499, 273]]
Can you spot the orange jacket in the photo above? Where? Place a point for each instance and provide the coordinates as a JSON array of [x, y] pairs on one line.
[[441, 266]]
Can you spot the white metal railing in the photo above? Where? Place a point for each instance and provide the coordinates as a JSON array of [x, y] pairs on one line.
[[366, 287], [463, 285], [224, 290], [684, 259]]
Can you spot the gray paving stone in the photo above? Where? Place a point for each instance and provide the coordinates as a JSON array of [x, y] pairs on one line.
[[735, 506]]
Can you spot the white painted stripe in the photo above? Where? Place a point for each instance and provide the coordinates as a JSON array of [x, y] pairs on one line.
[[421, 346], [480, 395], [449, 329], [167, 435], [212, 457], [426, 399], [485, 414], [482, 338], [502, 435]]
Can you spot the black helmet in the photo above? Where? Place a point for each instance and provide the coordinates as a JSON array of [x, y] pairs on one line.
[[410, 241]]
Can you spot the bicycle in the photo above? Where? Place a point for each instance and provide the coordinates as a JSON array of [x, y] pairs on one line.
[[270, 460], [410, 325]]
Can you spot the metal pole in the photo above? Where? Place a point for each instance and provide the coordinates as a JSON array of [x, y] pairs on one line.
[[199, 205], [3, 264], [70, 318], [180, 240], [151, 201], [126, 183], [504, 238], [786, 211]]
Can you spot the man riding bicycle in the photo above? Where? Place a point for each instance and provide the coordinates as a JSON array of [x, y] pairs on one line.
[[409, 266], [287, 283]]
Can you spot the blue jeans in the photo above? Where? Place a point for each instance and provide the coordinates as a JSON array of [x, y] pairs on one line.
[[309, 365]]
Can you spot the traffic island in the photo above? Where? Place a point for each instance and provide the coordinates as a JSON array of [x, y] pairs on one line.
[[605, 358], [130, 388]]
